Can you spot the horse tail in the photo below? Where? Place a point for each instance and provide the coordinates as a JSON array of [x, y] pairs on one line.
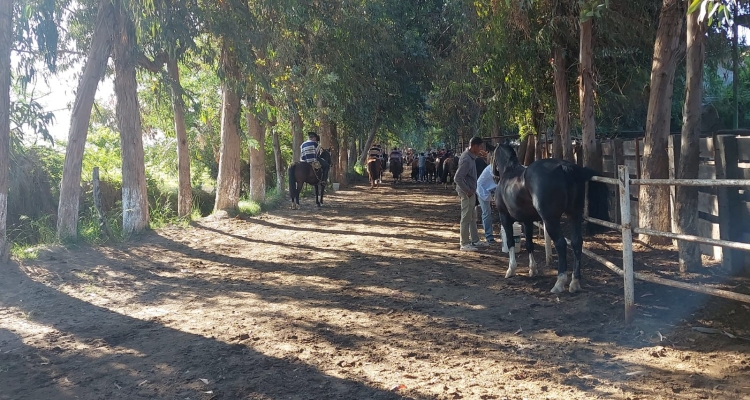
[[292, 180]]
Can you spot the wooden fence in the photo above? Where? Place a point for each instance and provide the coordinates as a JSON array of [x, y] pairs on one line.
[[724, 213]]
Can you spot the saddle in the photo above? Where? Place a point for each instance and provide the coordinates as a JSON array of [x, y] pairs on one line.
[[316, 164]]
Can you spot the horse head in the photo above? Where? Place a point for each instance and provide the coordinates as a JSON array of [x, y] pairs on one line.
[[504, 158]]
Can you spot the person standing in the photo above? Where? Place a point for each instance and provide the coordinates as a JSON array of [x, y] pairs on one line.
[[466, 186], [485, 186]]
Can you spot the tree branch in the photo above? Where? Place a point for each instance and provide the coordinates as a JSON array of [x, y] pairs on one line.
[[155, 65]]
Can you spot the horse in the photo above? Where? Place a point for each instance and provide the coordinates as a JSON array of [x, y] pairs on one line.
[[430, 169], [544, 191], [396, 168], [375, 171], [302, 172], [450, 165]]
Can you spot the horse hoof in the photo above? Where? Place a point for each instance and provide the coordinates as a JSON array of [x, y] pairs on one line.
[[575, 286], [510, 273], [533, 272], [562, 279]]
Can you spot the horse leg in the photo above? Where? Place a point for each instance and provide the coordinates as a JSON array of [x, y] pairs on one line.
[[553, 230], [322, 191], [528, 228], [317, 202], [507, 223], [576, 242]]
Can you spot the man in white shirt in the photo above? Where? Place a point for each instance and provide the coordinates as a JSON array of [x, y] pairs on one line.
[[485, 185]]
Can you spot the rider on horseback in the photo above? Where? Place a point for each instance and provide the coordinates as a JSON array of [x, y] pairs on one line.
[[395, 155], [309, 151]]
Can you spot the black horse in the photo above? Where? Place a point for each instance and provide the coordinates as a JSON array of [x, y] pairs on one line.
[[303, 172], [544, 191], [396, 168]]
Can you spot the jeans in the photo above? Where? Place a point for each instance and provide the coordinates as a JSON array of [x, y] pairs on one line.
[[469, 233], [486, 218], [421, 173]]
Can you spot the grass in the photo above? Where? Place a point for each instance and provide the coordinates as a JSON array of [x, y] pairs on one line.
[[252, 208], [29, 235]]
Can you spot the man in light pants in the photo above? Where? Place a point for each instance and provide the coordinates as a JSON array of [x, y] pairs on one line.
[[466, 186]]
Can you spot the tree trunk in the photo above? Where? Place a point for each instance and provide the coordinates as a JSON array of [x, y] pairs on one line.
[[370, 138], [93, 72], [686, 202], [343, 158], [6, 43], [653, 201], [134, 196], [530, 150], [327, 139], [563, 147], [184, 189], [522, 150], [336, 153], [352, 152], [279, 162], [586, 94], [257, 134], [228, 181], [297, 128]]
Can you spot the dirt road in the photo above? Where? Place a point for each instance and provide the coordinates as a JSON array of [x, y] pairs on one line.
[[366, 298]]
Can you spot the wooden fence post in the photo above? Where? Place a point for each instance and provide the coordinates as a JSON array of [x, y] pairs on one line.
[[627, 243], [726, 159], [637, 158], [674, 166]]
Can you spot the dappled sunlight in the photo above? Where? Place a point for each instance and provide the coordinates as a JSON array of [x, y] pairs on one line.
[[351, 300]]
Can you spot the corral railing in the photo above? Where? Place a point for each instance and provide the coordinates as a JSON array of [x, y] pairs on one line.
[[723, 212], [624, 183]]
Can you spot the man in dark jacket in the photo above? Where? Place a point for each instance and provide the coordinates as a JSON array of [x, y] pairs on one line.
[[466, 186]]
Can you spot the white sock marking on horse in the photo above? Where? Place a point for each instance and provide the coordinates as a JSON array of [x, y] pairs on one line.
[[533, 271], [562, 279], [513, 263], [575, 285]]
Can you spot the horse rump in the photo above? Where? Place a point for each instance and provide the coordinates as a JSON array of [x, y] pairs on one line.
[[598, 196]]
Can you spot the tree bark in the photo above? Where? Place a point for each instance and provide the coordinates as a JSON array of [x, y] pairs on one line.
[[686, 202], [327, 139], [586, 94], [343, 157], [530, 150], [279, 162], [352, 152], [93, 72], [228, 180], [6, 43], [297, 128], [563, 147], [522, 150], [134, 196], [653, 201], [257, 134], [184, 188], [336, 153], [370, 138]]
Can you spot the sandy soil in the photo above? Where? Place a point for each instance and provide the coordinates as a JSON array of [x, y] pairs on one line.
[[366, 298]]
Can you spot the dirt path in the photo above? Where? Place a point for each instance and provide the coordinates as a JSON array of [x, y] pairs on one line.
[[367, 298]]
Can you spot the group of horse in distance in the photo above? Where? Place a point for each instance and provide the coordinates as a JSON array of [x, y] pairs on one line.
[[438, 168], [544, 191]]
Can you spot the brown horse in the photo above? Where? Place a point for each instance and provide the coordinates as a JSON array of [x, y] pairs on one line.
[[450, 165], [303, 172], [375, 171], [396, 168]]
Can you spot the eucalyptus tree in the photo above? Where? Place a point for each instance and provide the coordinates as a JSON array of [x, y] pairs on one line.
[[6, 43], [654, 200], [101, 43]]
